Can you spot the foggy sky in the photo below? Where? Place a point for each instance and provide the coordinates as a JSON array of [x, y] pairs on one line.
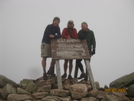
[[23, 23]]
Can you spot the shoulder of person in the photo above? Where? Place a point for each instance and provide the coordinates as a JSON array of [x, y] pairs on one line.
[[90, 30], [80, 31], [65, 28], [49, 25]]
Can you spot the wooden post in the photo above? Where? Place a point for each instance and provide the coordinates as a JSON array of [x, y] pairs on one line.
[[59, 81], [90, 75], [76, 71]]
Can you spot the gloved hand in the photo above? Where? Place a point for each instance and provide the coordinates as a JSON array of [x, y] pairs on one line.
[[93, 52]]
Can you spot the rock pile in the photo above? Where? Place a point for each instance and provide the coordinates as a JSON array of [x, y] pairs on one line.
[[73, 90]]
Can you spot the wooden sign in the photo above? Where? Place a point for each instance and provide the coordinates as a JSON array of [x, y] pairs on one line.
[[69, 49]]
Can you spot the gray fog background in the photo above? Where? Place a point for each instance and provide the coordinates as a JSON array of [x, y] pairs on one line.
[[22, 23]]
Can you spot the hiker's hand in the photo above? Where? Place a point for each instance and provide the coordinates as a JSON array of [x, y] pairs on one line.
[[51, 36]]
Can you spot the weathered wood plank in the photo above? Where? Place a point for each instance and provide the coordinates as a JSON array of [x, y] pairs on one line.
[[58, 75], [69, 49]]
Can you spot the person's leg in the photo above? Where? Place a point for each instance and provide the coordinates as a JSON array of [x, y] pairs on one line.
[[52, 63], [51, 69], [79, 64], [65, 68], [44, 68], [70, 68], [78, 61]]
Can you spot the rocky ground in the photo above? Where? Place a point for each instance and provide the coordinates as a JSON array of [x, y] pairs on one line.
[[121, 89]]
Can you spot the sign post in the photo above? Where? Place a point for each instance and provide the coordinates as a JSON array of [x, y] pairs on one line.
[[70, 49]]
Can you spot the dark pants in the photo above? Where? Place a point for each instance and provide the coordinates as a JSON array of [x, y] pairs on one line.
[[79, 65]]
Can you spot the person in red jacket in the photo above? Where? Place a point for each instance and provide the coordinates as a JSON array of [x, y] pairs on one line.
[[69, 32]]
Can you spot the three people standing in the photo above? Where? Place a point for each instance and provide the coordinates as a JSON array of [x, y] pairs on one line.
[[52, 31]]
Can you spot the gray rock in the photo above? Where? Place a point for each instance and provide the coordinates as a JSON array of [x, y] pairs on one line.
[[40, 95], [8, 89], [131, 90], [93, 93], [31, 87], [124, 81], [89, 99], [65, 98], [45, 88], [67, 83], [51, 98], [60, 93], [56, 98], [106, 87], [121, 95], [112, 97], [22, 91], [101, 95], [45, 82], [26, 81], [97, 84], [78, 91], [75, 100], [74, 80], [4, 80], [17, 97]]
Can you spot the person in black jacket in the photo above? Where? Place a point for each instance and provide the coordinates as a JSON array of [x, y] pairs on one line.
[[86, 33], [52, 31]]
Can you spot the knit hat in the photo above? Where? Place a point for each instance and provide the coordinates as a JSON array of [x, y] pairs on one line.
[[84, 23], [70, 22], [56, 18]]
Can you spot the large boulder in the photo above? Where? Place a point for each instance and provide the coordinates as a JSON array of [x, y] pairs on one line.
[[8, 89], [121, 95], [101, 95], [51, 98], [40, 95], [65, 98], [78, 91], [56, 98], [89, 99], [26, 81], [124, 81], [4, 80], [45, 82], [113, 97], [45, 88], [31, 87], [67, 83], [17, 97], [22, 91], [93, 93], [60, 93], [131, 90]]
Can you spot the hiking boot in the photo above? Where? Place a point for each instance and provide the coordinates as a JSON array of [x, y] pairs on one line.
[[86, 78], [44, 76], [64, 75], [83, 75], [51, 71], [70, 77]]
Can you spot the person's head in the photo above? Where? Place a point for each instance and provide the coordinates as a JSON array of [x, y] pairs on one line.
[[84, 26], [70, 24], [56, 21]]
